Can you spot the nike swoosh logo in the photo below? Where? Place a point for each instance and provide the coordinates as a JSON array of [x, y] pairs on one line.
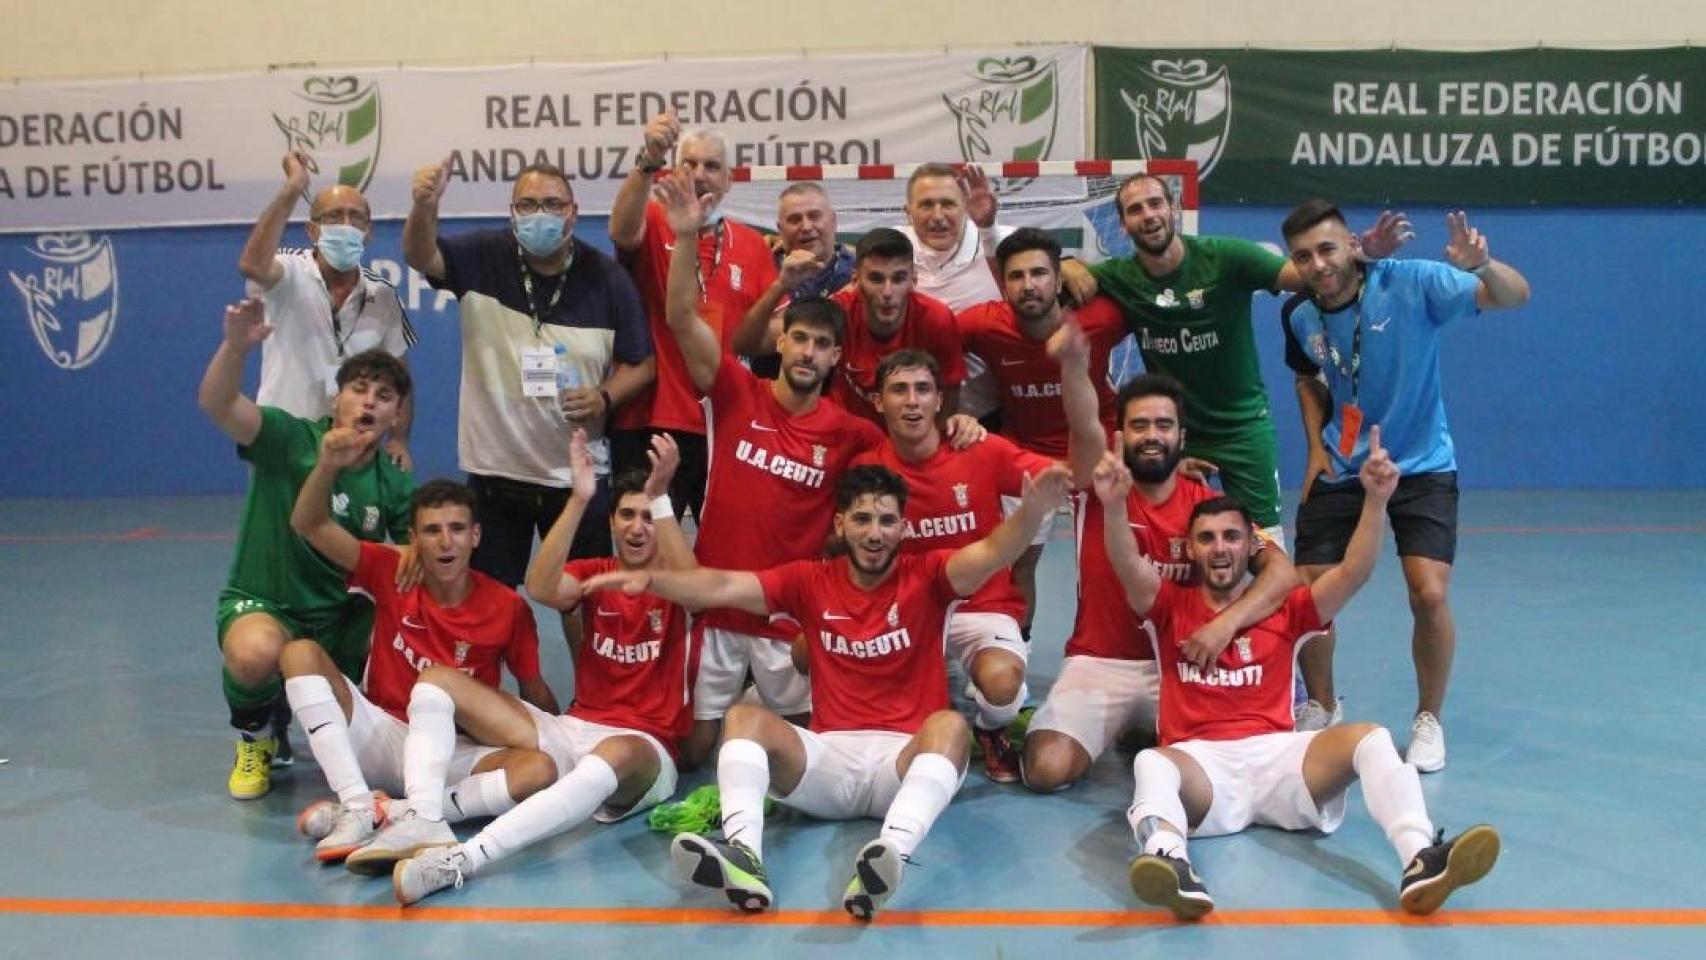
[[834, 616], [411, 625], [754, 424], [1381, 326], [314, 730], [1416, 867]]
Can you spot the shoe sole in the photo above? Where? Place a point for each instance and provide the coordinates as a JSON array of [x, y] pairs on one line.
[[381, 863], [1155, 883], [698, 863], [397, 886], [1472, 857], [878, 869], [245, 795], [1434, 767]]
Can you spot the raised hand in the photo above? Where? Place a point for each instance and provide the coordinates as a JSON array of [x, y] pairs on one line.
[[246, 323], [1048, 489], [1390, 232], [981, 204], [343, 447], [665, 456], [583, 475], [684, 211], [1465, 247], [1112, 479], [660, 136], [296, 165], [1069, 347], [1379, 475], [430, 182]]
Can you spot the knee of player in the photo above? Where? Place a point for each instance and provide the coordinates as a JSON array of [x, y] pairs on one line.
[[1428, 594], [1046, 769], [299, 658], [745, 721], [628, 756], [999, 677], [527, 772]]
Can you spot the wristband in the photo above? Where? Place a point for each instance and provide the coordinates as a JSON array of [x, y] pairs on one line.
[[1482, 267], [642, 165], [661, 508]]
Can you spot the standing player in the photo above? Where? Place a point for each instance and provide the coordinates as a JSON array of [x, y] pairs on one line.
[[614, 750], [1012, 335], [1107, 681], [1373, 329], [279, 589], [732, 268], [883, 742], [954, 498], [455, 617], [1229, 757]]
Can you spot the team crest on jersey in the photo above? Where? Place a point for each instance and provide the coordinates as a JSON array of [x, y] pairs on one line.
[[819, 451], [894, 614], [462, 648], [1167, 298], [656, 618], [961, 496], [340, 504], [1243, 645], [734, 275], [1176, 547], [1195, 299], [370, 519]]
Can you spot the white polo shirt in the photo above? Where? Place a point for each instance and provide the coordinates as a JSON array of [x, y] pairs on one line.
[[299, 362], [961, 279]]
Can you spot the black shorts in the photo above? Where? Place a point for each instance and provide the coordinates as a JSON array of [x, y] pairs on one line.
[[512, 512], [628, 450], [1423, 512]]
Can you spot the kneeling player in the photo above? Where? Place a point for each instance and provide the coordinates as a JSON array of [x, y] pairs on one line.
[[883, 742], [455, 616], [1230, 756], [615, 749]]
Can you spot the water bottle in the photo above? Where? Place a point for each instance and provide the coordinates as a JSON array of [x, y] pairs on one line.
[[568, 375]]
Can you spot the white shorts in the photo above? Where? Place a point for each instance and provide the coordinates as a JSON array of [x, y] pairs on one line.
[[567, 739], [1045, 530], [377, 739], [849, 774], [724, 658], [971, 633], [1275, 535], [1095, 698], [1259, 780]]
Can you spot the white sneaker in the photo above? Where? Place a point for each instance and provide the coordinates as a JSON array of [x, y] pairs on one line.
[[404, 838], [1427, 744], [353, 830], [318, 818], [428, 872], [1313, 716]]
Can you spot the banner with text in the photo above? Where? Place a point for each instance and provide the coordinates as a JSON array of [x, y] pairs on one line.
[[1603, 127], [207, 150]]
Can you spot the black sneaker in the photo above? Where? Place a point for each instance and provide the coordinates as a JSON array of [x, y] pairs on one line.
[[283, 756], [1447, 865], [1172, 883], [728, 867]]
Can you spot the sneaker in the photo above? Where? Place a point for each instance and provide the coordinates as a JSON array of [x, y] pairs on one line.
[[353, 829], [1170, 882], [284, 756], [1313, 716], [1427, 744], [729, 867], [402, 839], [318, 818], [251, 774], [876, 873], [428, 872], [1000, 760], [1447, 865]]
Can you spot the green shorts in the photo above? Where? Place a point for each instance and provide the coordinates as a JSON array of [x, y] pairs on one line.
[[1249, 468], [344, 633]]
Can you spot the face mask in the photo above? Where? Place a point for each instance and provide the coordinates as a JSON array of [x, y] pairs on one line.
[[341, 245], [540, 234]]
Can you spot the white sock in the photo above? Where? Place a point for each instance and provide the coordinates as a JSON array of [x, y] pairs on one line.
[[996, 717], [743, 774], [929, 784], [1157, 814], [478, 795], [426, 754], [1393, 791], [316, 708], [558, 807]]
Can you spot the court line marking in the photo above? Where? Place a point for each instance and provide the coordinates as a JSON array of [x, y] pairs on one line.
[[668, 916]]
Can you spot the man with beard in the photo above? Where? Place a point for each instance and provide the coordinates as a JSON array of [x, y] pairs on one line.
[[539, 308], [1187, 301], [809, 262], [732, 271], [1108, 680], [1229, 757], [1374, 329], [279, 589], [883, 742]]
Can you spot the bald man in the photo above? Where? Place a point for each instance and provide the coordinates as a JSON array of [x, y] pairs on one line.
[[323, 306]]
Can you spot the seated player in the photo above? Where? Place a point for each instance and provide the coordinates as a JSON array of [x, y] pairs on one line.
[[1229, 756], [954, 498], [455, 616], [882, 742], [615, 749]]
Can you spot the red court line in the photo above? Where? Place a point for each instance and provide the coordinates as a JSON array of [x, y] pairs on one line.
[[664, 916]]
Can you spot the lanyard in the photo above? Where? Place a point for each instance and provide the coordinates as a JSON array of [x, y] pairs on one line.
[[1354, 372], [556, 295], [716, 259], [339, 338]]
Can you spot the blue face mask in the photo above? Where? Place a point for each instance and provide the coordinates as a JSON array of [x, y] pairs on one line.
[[540, 234], [341, 245]]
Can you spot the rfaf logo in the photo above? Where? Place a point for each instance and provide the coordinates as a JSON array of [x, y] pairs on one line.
[[70, 294], [1008, 113], [1183, 109], [335, 121]]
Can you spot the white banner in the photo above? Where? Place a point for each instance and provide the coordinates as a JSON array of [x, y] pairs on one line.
[[207, 150]]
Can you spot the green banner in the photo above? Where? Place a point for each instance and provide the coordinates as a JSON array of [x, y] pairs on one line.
[[1601, 127]]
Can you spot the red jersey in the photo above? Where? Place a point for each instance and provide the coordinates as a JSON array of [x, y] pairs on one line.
[[877, 656], [631, 670], [928, 326], [1248, 690], [953, 498], [735, 267], [771, 488], [412, 632], [1032, 414], [1105, 626]]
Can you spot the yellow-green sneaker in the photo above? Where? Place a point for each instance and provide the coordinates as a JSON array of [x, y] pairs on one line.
[[251, 774]]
